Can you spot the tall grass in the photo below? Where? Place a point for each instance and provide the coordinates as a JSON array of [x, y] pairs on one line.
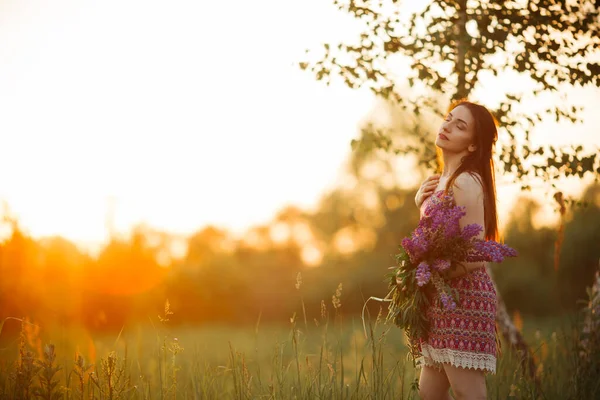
[[327, 358]]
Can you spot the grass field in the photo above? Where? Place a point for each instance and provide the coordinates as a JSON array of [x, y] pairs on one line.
[[329, 358]]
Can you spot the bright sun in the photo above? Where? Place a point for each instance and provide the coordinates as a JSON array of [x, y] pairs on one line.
[[116, 113]]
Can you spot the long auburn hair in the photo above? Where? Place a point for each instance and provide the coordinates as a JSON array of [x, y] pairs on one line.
[[480, 162]]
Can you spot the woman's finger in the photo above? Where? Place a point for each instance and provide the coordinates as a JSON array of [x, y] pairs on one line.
[[430, 179]]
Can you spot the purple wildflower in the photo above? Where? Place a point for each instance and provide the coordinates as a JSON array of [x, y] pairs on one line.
[[407, 245], [444, 217], [412, 249], [423, 274], [471, 231], [452, 226], [488, 250], [417, 245], [447, 301]]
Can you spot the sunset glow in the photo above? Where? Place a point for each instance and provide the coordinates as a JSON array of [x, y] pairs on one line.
[[214, 199], [120, 113]]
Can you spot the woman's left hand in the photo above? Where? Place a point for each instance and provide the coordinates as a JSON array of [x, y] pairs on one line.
[[399, 283], [457, 269]]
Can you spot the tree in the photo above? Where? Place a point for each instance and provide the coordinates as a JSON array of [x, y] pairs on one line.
[[451, 44]]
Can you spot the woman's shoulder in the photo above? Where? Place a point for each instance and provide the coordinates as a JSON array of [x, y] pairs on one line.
[[468, 187], [468, 180]]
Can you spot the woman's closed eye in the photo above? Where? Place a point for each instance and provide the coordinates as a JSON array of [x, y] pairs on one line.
[[460, 126]]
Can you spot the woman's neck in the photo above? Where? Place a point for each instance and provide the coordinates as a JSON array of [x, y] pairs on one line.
[[451, 164]]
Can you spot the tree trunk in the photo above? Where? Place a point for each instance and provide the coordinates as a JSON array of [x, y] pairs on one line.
[[461, 50]]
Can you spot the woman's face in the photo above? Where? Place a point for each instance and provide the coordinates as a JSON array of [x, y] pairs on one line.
[[457, 132]]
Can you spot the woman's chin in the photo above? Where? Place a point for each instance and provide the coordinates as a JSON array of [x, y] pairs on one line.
[[439, 142]]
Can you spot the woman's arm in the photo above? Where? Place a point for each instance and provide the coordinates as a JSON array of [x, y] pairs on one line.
[[468, 193]]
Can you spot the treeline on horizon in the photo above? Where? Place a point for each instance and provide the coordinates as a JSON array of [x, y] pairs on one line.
[[221, 279]]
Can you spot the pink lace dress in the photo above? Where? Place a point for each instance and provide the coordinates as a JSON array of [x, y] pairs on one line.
[[465, 337]]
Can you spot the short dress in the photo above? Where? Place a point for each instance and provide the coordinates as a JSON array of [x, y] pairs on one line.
[[465, 337]]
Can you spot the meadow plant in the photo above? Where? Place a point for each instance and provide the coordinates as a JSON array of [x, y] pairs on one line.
[[308, 362]]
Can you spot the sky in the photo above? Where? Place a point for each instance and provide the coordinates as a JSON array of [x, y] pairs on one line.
[[177, 114]]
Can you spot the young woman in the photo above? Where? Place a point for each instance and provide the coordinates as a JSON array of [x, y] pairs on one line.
[[461, 345]]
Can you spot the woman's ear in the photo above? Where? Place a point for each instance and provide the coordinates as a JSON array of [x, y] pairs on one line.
[[472, 147]]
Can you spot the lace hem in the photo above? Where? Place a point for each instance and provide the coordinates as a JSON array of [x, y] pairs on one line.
[[434, 357]]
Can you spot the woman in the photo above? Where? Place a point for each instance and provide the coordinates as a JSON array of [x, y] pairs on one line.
[[461, 345]]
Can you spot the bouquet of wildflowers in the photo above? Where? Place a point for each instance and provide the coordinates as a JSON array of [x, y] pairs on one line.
[[435, 247]]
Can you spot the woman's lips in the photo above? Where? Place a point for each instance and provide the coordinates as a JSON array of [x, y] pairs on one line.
[[441, 135]]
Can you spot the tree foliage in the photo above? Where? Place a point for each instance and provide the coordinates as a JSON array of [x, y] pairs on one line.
[[450, 45]]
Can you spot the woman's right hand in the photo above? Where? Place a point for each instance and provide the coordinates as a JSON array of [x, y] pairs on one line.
[[400, 284], [427, 189]]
